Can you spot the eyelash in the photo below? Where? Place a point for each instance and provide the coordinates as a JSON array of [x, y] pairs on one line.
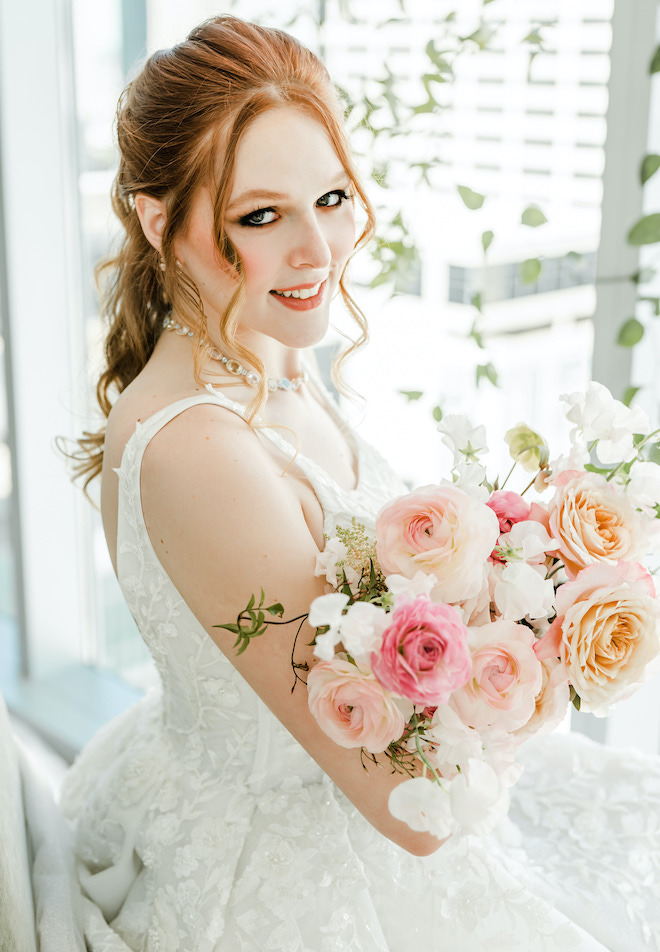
[[341, 193]]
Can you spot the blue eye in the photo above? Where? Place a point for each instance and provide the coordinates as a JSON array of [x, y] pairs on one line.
[[258, 218]]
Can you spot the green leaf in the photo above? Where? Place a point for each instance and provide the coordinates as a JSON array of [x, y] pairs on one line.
[[486, 240], [655, 62], [471, 200], [643, 276], [429, 106], [475, 301], [655, 301], [437, 414], [646, 231], [438, 59], [475, 334], [276, 609], [481, 36], [530, 270], [487, 372], [629, 395], [533, 37], [650, 165], [630, 333], [590, 468], [411, 395], [533, 217]]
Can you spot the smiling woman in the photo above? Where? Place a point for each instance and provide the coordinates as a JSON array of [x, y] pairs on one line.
[[299, 244], [217, 815]]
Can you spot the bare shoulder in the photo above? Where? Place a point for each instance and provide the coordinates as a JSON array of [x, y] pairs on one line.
[[213, 496]]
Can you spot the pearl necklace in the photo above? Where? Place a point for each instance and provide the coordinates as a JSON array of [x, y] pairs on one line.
[[233, 367]]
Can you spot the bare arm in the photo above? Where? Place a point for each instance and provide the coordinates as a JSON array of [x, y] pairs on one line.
[[225, 523]]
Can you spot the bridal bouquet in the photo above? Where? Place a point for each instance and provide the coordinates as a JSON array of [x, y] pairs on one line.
[[468, 618]]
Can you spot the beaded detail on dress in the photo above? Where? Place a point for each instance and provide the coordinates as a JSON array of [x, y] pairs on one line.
[[201, 825]]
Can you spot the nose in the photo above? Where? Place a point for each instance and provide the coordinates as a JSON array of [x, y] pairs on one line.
[[310, 247]]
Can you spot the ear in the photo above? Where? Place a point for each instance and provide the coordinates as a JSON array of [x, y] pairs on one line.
[[151, 212]]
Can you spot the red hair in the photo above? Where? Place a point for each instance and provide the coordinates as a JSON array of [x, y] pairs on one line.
[[179, 124]]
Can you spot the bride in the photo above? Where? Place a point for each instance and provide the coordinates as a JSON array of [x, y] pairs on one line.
[[215, 814]]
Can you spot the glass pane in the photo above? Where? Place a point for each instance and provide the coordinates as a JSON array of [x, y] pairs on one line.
[[105, 45]]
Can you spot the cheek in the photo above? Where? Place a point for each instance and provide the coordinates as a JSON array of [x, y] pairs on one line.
[[342, 240], [260, 260]]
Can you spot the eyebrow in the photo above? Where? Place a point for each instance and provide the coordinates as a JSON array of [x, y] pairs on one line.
[[261, 195]]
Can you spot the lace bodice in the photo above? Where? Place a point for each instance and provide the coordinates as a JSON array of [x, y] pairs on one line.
[[200, 824], [200, 688]]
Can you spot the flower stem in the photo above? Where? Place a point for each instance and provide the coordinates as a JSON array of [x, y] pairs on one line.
[[559, 565], [529, 485], [426, 762], [508, 475]]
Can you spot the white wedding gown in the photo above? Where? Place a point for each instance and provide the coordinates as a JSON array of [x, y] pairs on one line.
[[200, 824]]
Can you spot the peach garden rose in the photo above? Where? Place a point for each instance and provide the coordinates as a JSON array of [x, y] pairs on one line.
[[593, 522], [606, 631], [442, 531]]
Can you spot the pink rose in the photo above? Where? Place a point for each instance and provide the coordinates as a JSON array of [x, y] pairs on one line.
[[592, 522], [351, 706], [506, 677], [442, 531], [424, 655], [606, 631], [509, 508]]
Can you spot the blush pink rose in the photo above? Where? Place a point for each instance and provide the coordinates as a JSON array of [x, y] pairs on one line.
[[506, 678], [551, 702], [592, 522], [352, 708], [605, 632], [424, 655], [442, 531], [509, 508]]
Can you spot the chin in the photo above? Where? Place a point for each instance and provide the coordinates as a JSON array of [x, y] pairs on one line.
[[304, 336]]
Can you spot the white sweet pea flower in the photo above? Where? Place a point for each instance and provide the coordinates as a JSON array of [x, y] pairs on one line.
[[522, 591], [362, 628], [479, 801], [500, 753], [421, 584], [329, 561], [598, 416], [526, 542], [643, 489], [424, 806], [327, 610], [577, 458], [470, 478], [455, 743], [465, 441]]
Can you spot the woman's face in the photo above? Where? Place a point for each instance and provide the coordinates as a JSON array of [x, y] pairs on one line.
[[290, 217]]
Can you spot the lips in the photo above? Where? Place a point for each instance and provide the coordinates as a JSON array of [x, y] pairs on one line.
[[302, 298]]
